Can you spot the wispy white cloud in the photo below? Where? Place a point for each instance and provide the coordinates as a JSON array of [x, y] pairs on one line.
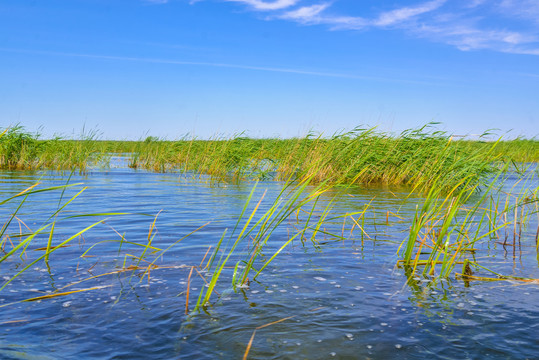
[[402, 14], [306, 14], [528, 9], [313, 14], [467, 38], [156, 1], [267, 5], [474, 3], [510, 26]]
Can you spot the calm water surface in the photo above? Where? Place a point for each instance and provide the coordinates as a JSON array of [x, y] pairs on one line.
[[343, 299]]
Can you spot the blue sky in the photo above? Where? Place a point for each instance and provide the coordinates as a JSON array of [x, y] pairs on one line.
[[129, 68]]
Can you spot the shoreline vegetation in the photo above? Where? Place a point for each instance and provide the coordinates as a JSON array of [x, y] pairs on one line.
[[464, 203], [363, 156]]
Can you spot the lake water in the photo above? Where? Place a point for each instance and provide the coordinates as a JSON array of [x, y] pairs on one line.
[[343, 299]]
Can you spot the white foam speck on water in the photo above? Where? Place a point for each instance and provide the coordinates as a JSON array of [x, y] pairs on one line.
[[369, 346], [398, 346], [319, 340], [13, 291], [182, 283], [269, 291], [350, 336], [337, 286], [227, 298], [113, 297], [6, 278], [295, 287], [332, 282], [460, 305], [282, 290], [358, 288], [383, 324], [387, 294], [319, 278], [67, 304], [255, 292], [332, 353]]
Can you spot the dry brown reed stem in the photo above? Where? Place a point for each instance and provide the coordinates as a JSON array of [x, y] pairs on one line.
[[50, 296], [261, 327], [188, 289], [54, 295], [206, 254], [23, 320], [499, 278]]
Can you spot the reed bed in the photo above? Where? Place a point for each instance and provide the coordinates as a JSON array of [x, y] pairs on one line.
[[362, 156]]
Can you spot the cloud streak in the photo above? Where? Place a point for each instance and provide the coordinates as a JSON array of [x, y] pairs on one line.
[[403, 14], [510, 26], [267, 5], [218, 65]]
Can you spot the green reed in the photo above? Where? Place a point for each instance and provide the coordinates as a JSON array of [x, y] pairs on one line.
[[448, 226], [248, 240], [363, 156]]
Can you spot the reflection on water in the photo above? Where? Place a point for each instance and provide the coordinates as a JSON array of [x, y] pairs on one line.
[[342, 299]]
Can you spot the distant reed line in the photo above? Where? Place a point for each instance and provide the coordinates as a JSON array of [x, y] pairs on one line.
[[363, 156]]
